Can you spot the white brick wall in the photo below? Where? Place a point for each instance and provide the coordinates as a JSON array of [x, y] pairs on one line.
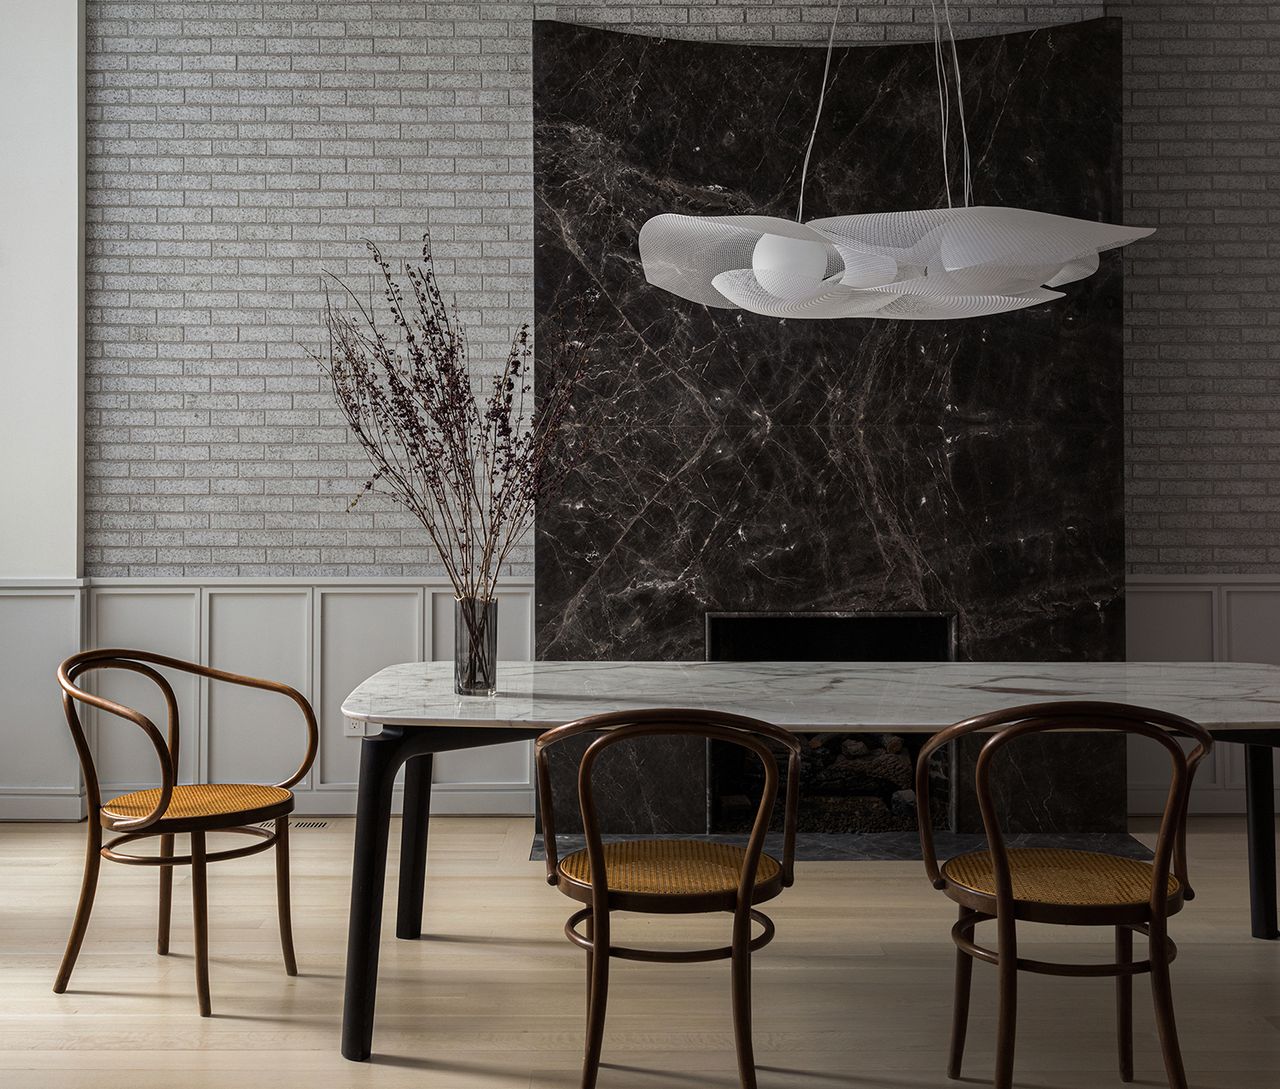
[[236, 148]]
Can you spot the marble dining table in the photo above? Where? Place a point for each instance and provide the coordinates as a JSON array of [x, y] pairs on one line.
[[408, 712]]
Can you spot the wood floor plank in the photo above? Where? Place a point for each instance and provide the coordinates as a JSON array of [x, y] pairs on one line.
[[854, 991]]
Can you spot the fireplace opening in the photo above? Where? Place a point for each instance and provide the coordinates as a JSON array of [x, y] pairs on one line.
[[848, 782], [831, 637]]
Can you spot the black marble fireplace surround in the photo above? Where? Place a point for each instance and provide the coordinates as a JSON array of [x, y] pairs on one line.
[[744, 464]]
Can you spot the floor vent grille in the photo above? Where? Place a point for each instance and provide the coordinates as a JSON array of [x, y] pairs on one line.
[[296, 826]]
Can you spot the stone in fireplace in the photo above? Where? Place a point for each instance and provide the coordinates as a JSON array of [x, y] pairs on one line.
[[848, 782]]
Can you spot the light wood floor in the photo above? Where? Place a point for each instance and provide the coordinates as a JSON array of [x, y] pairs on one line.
[[854, 991]]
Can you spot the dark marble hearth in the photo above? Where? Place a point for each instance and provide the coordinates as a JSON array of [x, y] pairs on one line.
[[740, 463], [889, 846]]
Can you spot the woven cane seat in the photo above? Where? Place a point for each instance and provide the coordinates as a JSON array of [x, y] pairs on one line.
[[203, 802], [670, 868], [1059, 876]]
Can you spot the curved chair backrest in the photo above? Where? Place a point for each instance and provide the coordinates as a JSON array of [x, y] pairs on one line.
[[619, 726], [1009, 725], [143, 662]]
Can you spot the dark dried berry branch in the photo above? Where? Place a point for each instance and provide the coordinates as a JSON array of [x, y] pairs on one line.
[[463, 454]]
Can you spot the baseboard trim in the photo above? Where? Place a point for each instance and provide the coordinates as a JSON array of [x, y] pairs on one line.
[[1218, 802], [41, 807], [466, 802]]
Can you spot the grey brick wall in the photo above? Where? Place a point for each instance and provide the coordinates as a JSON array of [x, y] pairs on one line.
[[1203, 352], [236, 148]]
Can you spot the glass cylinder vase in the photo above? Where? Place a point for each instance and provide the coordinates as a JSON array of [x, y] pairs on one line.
[[475, 647]]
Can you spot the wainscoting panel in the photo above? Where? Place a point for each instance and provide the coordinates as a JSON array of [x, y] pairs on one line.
[[323, 636], [358, 632], [166, 622], [1171, 625], [515, 626], [1250, 633], [1251, 623], [39, 775], [505, 772], [256, 736], [1199, 618]]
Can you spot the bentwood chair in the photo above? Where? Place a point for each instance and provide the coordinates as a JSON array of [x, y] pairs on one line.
[[176, 809], [670, 876], [1014, 885]]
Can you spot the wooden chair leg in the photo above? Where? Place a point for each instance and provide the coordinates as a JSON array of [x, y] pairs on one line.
[[589, 930], [598, 1000], [282, 896], [741, 971], [88, 888], [166, 897], [960, 1003], [1162, 995], [200, 912], [1007, 1019], [1124, 1003]]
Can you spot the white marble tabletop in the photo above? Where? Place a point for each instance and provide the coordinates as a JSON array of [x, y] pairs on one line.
[[815, 696]]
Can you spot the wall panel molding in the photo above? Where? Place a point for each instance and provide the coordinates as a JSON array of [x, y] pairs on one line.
[[357, 629], [1185, 618], [263, 631], [321, 635], [166, 620], [40, 624], [357, 623]]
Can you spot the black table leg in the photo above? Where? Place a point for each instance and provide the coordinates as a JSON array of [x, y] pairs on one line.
[[1260, 792], [380, 759], [413, 846]]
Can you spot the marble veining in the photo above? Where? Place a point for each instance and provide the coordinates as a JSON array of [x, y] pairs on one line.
[[737, 462], [740, 463], [902, 697]]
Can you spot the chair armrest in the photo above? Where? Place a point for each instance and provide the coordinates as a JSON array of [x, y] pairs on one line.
[[73, 693], [128, 659], [304, 705]]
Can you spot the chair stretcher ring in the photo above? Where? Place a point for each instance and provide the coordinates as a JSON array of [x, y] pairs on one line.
[[966, 944], [267, 837], [674, 956]]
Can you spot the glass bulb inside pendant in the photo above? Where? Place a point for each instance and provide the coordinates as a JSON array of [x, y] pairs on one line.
[[781, 257]]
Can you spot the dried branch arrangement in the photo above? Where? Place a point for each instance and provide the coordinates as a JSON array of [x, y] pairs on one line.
[[466, 455]]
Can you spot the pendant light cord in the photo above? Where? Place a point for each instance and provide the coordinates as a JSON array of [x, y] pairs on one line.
[[817, 117], [964, 131], [944, 105], [944, 99]]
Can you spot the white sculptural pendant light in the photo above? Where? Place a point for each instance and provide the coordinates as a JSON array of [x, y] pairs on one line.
[[926, 265]]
